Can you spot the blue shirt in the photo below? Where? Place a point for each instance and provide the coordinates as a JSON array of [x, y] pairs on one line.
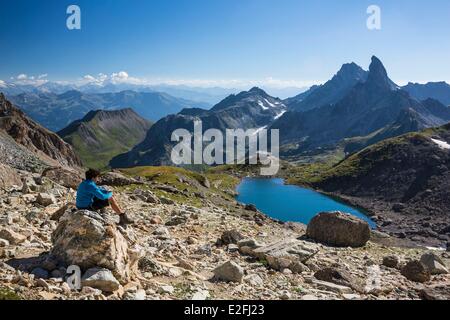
[[86, 193]]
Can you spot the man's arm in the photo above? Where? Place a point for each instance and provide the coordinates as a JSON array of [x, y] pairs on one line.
[[98, 193]]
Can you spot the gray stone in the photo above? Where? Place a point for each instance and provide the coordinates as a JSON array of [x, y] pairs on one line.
[[391, 261], [433, 263], [254, 280], [231, 237], [229, 271], [204, 250], [136, 295], [286, 253], [328, 286], [416, 271], [45, 199], [338, 229], [177, 220], [201, 295], [339, 277], [166, 289], [100, 278]]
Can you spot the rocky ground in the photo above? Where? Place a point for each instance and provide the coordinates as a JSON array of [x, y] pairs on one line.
[[211, 248]]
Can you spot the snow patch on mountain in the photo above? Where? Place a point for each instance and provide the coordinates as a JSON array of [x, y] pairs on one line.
[[441, 144], [278, 116], [262, 105]]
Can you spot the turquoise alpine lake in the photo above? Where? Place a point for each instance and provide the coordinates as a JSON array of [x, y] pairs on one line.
[[290, 203]]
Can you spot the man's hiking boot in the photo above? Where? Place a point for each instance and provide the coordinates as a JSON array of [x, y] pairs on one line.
[[125, 220]]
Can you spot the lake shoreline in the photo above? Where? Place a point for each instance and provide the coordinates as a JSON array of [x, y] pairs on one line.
[[378, 211], [323, 200]]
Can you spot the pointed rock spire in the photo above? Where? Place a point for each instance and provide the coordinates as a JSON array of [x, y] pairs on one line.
[[378, 75]]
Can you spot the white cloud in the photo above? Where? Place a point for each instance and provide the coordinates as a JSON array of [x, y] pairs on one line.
[[2, 83], [123, 77], [235, 83], [24, 79]]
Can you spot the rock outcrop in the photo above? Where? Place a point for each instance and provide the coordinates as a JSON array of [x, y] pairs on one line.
[[67, 178], [285, 254], [88, 240], [9, 177], [338, 229], [433, 263], [116, 179], [26, 132]]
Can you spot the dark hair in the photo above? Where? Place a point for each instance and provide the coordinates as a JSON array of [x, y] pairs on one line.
[[91, 174]]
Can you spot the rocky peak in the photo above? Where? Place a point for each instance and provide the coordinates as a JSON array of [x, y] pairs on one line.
[[378, 76], [351, 72], [258, 91]]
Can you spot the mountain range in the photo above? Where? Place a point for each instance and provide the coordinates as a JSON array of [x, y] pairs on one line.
[[56, 111], [101, 135], [246, 110], [372, 110], [355, 109], [438, 90]]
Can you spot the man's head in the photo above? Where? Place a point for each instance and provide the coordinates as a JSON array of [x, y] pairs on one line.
[[92, 174]]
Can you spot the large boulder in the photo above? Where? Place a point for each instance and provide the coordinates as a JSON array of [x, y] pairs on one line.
[[116, 179], [433, 263], [88, 240], [338, 229], [67, 178], [9, 177], [416, 271]]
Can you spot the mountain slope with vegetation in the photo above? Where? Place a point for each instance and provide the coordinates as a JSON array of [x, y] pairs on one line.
[[101, 135], [403, 181], [253, 109]]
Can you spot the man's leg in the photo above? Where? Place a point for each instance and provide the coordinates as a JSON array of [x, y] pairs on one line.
[[124, 218], [115, 206]]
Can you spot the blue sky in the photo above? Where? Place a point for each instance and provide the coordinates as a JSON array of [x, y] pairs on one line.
[[218, 41]]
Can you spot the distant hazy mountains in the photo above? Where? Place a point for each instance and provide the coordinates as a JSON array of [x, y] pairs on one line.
[[101, 135], [436, 90], [246, 110], [24, 144], [374, 108], [56, 111]]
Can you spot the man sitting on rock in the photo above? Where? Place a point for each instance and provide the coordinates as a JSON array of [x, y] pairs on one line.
[[91, 197]]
